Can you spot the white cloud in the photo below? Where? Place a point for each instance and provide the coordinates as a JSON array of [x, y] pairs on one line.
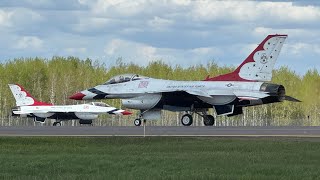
[[76, 51], [5, 18], [85, 2], [131, 30], [142, 53], [295, 32], [160, 23], [131, 51], [302, 48], [254, 11], [206, 50], [40, 3], [23, 16], [119, 7], [288, 11], [182, 2], [91, 24], [29, 42]]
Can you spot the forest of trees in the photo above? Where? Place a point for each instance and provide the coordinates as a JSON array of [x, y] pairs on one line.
[[54, 80]]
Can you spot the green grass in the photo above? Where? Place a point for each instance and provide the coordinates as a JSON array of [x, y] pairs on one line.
[[158, 158]]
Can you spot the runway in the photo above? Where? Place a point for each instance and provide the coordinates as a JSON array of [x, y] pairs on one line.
[[161, 131]]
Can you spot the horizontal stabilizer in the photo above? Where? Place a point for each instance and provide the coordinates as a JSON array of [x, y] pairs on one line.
[[250, 94], [289, 98]]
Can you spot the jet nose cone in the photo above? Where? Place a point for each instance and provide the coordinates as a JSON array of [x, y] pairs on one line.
[[77, 96]]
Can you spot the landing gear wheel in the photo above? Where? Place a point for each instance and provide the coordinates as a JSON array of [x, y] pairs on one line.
[[137, 122], [56, 124], [186, 120], [208, 120]]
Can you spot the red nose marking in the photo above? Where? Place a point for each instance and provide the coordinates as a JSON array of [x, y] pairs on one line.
[[77, 96], [125, 112]]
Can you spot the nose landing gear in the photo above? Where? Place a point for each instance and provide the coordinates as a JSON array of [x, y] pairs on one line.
[[137, 122]]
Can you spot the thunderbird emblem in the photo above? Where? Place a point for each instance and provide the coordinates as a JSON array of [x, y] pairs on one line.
[[143, 84], [264, 58]]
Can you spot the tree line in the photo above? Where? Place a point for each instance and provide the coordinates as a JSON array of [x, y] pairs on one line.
[[54, 80]]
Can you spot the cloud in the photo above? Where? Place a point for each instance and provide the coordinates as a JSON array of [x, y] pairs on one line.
[[45, 4], [91, 24], [301, 49], [271, 12], [119, 7], [75, 51], [5, 18], [160, 23], [143, 53], [29, 42], [131, 51], [296, 33], [18, 18]]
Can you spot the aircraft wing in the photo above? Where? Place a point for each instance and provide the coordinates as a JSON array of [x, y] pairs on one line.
[[198, 92], [30, 112], [242, 95], [110, 110], [218, 92]]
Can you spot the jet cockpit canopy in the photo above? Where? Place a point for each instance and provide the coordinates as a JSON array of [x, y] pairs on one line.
[[102, 104], [124, 78]]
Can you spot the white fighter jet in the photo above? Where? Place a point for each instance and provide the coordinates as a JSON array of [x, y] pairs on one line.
[[29, 106], [248, 85]]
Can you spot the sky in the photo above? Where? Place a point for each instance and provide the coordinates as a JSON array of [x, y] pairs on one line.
[[178, 32]]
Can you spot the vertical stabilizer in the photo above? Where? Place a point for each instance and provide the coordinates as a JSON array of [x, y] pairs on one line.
[[23, 98], [259, 64]]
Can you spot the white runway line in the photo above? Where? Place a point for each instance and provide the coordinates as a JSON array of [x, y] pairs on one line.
[[107, 135]]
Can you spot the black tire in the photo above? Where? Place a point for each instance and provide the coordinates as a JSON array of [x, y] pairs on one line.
[[208, 120], [82, 121], [137, 122], [186, 120], [56, 124]]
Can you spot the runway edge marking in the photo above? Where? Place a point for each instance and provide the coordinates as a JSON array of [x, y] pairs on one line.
[[249, 135]]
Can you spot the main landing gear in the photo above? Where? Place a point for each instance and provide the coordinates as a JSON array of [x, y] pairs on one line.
[[208, 120], [57, 123], [187, 119]]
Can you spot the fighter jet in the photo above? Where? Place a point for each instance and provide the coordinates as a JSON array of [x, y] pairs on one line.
[[27, 106], [228, 94]]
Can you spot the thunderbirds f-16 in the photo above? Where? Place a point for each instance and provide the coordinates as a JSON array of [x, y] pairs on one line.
[[30, 107], [228, 94]]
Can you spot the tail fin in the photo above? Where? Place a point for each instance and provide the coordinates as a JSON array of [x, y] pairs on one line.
[[259, 64], [23, 98]]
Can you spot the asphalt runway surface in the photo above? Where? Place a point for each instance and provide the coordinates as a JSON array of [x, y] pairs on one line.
[[160, 131]]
